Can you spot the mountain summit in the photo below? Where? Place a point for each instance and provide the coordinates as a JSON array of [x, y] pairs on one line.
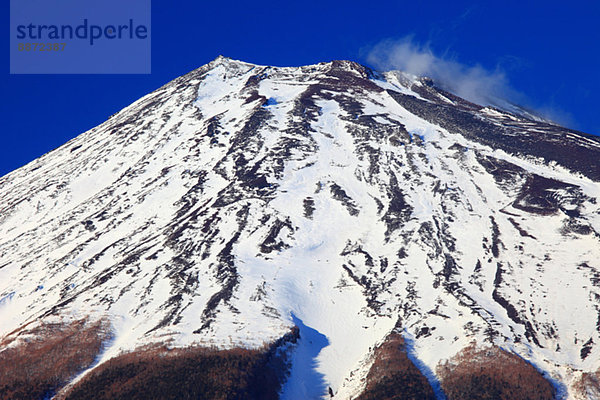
[[239, 203]]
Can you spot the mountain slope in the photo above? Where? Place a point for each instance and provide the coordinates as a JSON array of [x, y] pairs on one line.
[[239, 200]]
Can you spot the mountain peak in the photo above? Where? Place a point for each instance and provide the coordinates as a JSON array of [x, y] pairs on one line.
[[243, 202]]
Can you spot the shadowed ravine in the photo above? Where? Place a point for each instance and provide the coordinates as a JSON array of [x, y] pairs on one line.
[[305, 382]]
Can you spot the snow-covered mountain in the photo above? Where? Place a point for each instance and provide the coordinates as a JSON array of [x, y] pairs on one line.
[[240, 200]]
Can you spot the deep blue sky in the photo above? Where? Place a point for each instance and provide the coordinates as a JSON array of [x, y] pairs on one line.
[[549, 50]]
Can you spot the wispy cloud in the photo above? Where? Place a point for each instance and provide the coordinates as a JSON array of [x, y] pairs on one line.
[[472, 82]]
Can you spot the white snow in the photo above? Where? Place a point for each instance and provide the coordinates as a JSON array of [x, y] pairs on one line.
[[133, 179]]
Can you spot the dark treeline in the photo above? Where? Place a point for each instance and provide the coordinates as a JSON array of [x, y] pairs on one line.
[[393, 376], [190, 373], [492, 373], [44, 358]]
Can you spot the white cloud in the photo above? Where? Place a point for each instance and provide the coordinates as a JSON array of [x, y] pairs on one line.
[[474, 83]]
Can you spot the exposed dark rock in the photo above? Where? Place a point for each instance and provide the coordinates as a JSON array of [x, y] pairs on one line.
[[340, 195], [566, 147], [272, 241], [309, 207]]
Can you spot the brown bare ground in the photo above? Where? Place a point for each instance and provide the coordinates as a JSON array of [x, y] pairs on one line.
[[393, 376], [492, 373], [37, 362]]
